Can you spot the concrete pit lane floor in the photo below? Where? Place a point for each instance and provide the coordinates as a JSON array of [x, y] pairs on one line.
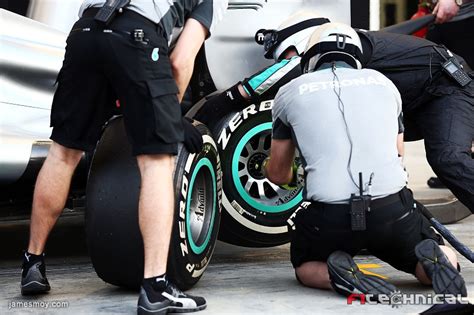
[[237, 281]]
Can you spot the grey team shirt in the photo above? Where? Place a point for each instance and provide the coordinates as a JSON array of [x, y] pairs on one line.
[[172, 13], [306, 109]]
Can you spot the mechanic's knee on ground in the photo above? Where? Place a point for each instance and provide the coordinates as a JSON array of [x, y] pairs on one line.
[[421, 275], [313, 274]]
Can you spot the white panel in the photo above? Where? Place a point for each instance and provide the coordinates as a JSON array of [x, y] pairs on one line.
[[374, 15], [60, 14]]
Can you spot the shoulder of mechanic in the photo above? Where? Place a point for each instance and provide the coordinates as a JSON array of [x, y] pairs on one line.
[[281, 99], [286, 94], [380, 77]]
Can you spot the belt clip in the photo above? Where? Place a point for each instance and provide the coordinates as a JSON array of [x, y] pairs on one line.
[[138, 35]]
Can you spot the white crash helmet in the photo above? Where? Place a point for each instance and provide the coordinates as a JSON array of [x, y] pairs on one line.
[[332, 42], [293, 32]]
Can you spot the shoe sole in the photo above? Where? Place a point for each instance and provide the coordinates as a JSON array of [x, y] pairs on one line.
[[34, 287], [445, 278], [169, 309], [342, 266]]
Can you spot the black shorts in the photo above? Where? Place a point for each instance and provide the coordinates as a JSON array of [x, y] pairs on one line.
[[392, 233], [102, 66]]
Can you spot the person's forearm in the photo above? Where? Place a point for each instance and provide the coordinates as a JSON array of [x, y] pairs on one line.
[[400, 145], [183, 56], [277, 174], [182, 75], [242, 92]]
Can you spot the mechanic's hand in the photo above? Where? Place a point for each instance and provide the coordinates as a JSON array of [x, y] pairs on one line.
[[445, 10], [294, 180], [294, 184], [192, 137]]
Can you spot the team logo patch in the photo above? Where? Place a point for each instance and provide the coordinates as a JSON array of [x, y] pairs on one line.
[[155, 54]]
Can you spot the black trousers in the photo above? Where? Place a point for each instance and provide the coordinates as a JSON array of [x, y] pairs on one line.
[[447, 125], [393, 231]]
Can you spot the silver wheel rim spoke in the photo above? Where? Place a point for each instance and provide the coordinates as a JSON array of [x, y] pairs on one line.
[[250, 182]]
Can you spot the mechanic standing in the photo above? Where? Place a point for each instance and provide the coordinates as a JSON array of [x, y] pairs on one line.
[[344, 121], [119, 49], [456, 32], [438, 102]]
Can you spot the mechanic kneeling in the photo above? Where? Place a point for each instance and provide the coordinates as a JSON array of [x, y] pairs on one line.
[[344, 121]]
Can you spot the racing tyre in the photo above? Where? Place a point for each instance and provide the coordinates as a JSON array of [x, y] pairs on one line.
[[255, 210], [112, 230]]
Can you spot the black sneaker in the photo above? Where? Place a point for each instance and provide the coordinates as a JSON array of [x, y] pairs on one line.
[[445, 277], [434, 182], [33, 275], [346, 278], [171, 300]]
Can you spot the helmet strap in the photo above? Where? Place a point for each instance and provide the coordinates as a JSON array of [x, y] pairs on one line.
[[287, 32], [331, 47], [293, 29]]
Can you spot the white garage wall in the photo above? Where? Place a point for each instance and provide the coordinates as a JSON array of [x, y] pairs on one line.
[[59, 14], [374, 15]]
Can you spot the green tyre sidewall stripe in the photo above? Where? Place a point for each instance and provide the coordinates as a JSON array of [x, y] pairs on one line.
[[236, 179], [199, 249]]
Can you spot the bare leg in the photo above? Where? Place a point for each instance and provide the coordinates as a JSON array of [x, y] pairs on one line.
[[420, 272], [51, 191], [156, 207], [314, 274]]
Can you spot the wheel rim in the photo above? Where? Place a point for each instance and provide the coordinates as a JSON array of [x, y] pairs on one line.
[[252, 186], [200, 221]]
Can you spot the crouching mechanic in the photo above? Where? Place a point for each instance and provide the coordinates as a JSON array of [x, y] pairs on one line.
[[344, 122], [433, 100], [126, 57]]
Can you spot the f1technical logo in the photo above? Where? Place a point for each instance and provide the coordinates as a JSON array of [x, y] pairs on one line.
[[397, 299]]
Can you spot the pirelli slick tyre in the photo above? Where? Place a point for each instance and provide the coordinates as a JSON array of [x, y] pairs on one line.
[[112, 230], [255, 210]]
